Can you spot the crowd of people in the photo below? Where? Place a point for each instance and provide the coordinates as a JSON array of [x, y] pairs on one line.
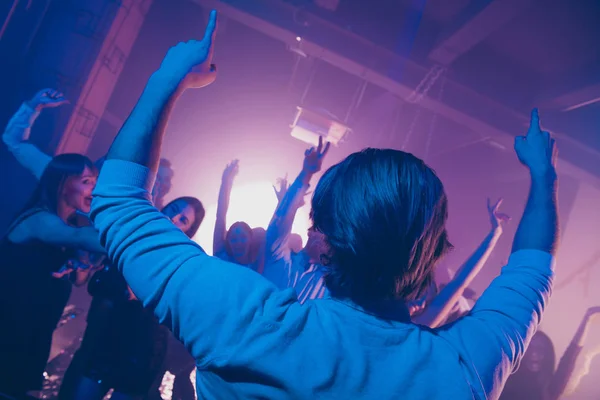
[[355, 312]]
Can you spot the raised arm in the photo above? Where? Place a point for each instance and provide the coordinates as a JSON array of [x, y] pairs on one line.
[[439, 308], [49, 228], [280, 226], [564, 380], [190, 291], [220, 231], [17, 131], [494, 336]]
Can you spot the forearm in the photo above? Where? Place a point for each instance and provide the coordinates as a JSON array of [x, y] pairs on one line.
[[288, 206], [87, 238], [438, 310], [15, 137], [140, 139], [473, 265], [221, 220], [582, 332], [538, 229], [280, 226], [19, 126], [564, 372]]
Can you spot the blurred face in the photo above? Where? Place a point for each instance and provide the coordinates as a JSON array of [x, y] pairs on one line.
[[315, 246], [534, 357], [238, 239], [181, 214], [77, 191]]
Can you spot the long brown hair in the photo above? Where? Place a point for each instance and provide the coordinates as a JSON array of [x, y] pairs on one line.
[[60, 168]]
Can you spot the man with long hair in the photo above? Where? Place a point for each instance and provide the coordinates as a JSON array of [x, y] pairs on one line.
[[382, 214]]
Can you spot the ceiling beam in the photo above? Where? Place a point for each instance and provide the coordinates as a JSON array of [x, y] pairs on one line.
[[574, 99], [478, 20], [465, 97]]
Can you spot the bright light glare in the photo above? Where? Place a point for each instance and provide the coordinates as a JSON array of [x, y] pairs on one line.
[[298, 39], [253, 203]]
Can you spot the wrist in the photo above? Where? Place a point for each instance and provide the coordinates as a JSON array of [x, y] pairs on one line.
[[227, 183], [34, 105], [544, 185], [305, 176], [496, 231], [547, 174], [165, 79]]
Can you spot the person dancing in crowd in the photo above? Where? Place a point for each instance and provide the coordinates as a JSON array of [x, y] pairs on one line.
[[435, 308], [17, 132], [536, 378], [37, 245], [382, 213], [302, 270], [234, 244], [124, 346]]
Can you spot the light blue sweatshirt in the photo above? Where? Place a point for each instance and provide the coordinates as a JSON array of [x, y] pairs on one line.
[[251, 340]]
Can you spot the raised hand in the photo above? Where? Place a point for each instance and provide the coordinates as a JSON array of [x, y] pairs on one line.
[[536, 150], [313, 157], [190, 62], [47, 98], [231, 171], [70, 266], [283, 188], [496, 218], [593, 313]]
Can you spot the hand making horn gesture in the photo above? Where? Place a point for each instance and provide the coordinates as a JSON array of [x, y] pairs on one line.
[[190, 63], [313, 157], [496, 218]]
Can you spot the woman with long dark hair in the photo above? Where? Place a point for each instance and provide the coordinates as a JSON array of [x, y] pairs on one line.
[[17, 132], [124, 346], [36, 247]]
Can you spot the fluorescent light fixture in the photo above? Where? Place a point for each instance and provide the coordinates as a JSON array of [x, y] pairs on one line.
[[309, 125]]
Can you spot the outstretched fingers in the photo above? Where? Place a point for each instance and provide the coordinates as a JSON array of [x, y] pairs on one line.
[[326, 149], [322, 150], [497, 205]]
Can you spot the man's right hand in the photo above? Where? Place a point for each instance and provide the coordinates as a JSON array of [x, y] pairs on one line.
[[537, 150], [47, 98]]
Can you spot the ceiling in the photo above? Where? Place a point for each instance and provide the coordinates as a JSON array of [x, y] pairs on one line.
[[541, 52], [503, 56]]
